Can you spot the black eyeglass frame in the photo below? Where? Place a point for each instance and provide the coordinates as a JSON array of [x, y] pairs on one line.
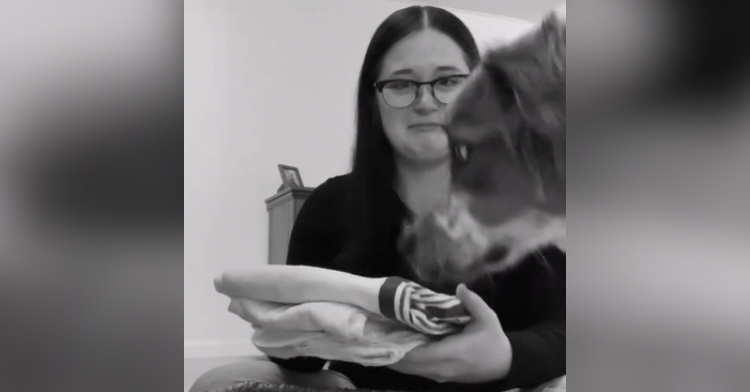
[[380, 85]]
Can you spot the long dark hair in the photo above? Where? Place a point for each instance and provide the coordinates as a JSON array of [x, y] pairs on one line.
[[374, 201]]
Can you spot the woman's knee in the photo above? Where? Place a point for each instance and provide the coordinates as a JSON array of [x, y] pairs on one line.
[[257, 370]]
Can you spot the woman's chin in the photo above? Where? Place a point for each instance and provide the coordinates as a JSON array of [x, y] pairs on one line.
[[430, 150], [429, 156]]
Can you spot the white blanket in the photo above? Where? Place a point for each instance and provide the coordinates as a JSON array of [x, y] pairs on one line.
[[327, 330], [306, 311]]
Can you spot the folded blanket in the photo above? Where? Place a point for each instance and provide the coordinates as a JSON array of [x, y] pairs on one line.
[[382, 343], [327, 330], [307, 311], [415, 306], [339, 320]]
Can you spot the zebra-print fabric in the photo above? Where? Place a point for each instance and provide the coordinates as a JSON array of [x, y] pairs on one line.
[[420, 308]]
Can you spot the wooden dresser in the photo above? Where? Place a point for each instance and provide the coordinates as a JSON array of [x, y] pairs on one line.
[[283, 208]]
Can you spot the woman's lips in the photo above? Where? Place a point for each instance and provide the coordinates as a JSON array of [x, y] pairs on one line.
[[427, 127]]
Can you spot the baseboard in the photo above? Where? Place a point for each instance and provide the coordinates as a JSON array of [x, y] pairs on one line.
[[217, 349]]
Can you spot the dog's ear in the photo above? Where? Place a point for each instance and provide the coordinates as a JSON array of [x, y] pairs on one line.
[[553, 31], [532, 67], [553, 25]]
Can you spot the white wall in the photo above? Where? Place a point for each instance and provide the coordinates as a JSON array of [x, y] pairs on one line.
[[266, 82]]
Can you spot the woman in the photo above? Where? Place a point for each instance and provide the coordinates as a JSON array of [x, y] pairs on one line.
[[415, 66]]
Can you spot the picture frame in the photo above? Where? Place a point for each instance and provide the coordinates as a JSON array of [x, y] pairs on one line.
[[290, 177]]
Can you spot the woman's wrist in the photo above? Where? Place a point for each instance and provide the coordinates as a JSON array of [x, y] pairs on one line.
[[499, 363], [506, 357]]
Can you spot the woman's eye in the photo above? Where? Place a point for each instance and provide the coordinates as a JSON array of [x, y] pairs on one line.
[[450, 81], [447, 82], [399, 85]]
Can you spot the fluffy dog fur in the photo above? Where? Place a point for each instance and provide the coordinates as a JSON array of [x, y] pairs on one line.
[[507, 132]]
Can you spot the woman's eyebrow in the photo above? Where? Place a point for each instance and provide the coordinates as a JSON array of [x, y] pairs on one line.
[[400, 72], [410, 72], [445, 68]]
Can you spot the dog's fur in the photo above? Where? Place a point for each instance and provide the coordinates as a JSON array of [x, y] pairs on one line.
[[507, 132]]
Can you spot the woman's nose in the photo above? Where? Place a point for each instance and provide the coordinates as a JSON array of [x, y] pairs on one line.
[[426, 100]]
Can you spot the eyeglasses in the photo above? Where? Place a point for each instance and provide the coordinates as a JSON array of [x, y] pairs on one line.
[[401, 93]]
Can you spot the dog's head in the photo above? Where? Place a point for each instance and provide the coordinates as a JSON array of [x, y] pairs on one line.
[[507, 132]]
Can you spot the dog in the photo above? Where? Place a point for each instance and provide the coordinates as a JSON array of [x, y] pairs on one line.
[[507, 137]]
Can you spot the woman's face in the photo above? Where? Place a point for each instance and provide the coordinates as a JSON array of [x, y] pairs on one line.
[[416, 131]]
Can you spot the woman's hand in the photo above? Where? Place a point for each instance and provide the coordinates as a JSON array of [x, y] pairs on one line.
[[480, 353]]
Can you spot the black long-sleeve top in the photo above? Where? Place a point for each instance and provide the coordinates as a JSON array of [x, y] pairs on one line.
[[529, 300]]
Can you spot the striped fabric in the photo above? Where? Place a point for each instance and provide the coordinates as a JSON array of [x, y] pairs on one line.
[[420, 308]]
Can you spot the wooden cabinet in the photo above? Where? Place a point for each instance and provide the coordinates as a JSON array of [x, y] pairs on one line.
[[283, 208]]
